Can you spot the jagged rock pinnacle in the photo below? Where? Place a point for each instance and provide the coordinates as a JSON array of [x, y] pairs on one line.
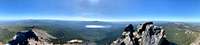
[[146, 34], [31, 37], [129, 28]]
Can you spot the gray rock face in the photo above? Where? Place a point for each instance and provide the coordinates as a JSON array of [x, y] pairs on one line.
[[21, 38], [31, 37], [145, 34]]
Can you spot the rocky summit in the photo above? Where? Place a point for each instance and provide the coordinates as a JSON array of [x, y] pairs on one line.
[[145, 34], [31, 37]]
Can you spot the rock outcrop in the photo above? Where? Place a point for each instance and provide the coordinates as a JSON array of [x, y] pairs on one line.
[[31, 37], [1, 43], [145, 34], [197, 41]]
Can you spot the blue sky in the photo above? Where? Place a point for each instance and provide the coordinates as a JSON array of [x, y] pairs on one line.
[[101, 10]]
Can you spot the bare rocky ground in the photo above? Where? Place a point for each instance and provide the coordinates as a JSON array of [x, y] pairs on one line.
[[197, 41], [1, 43]]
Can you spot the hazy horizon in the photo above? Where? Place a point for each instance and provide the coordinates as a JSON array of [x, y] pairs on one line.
[[101, 10], [92, 20]]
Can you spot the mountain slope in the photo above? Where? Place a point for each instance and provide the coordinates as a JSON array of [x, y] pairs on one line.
[[176, 32]]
